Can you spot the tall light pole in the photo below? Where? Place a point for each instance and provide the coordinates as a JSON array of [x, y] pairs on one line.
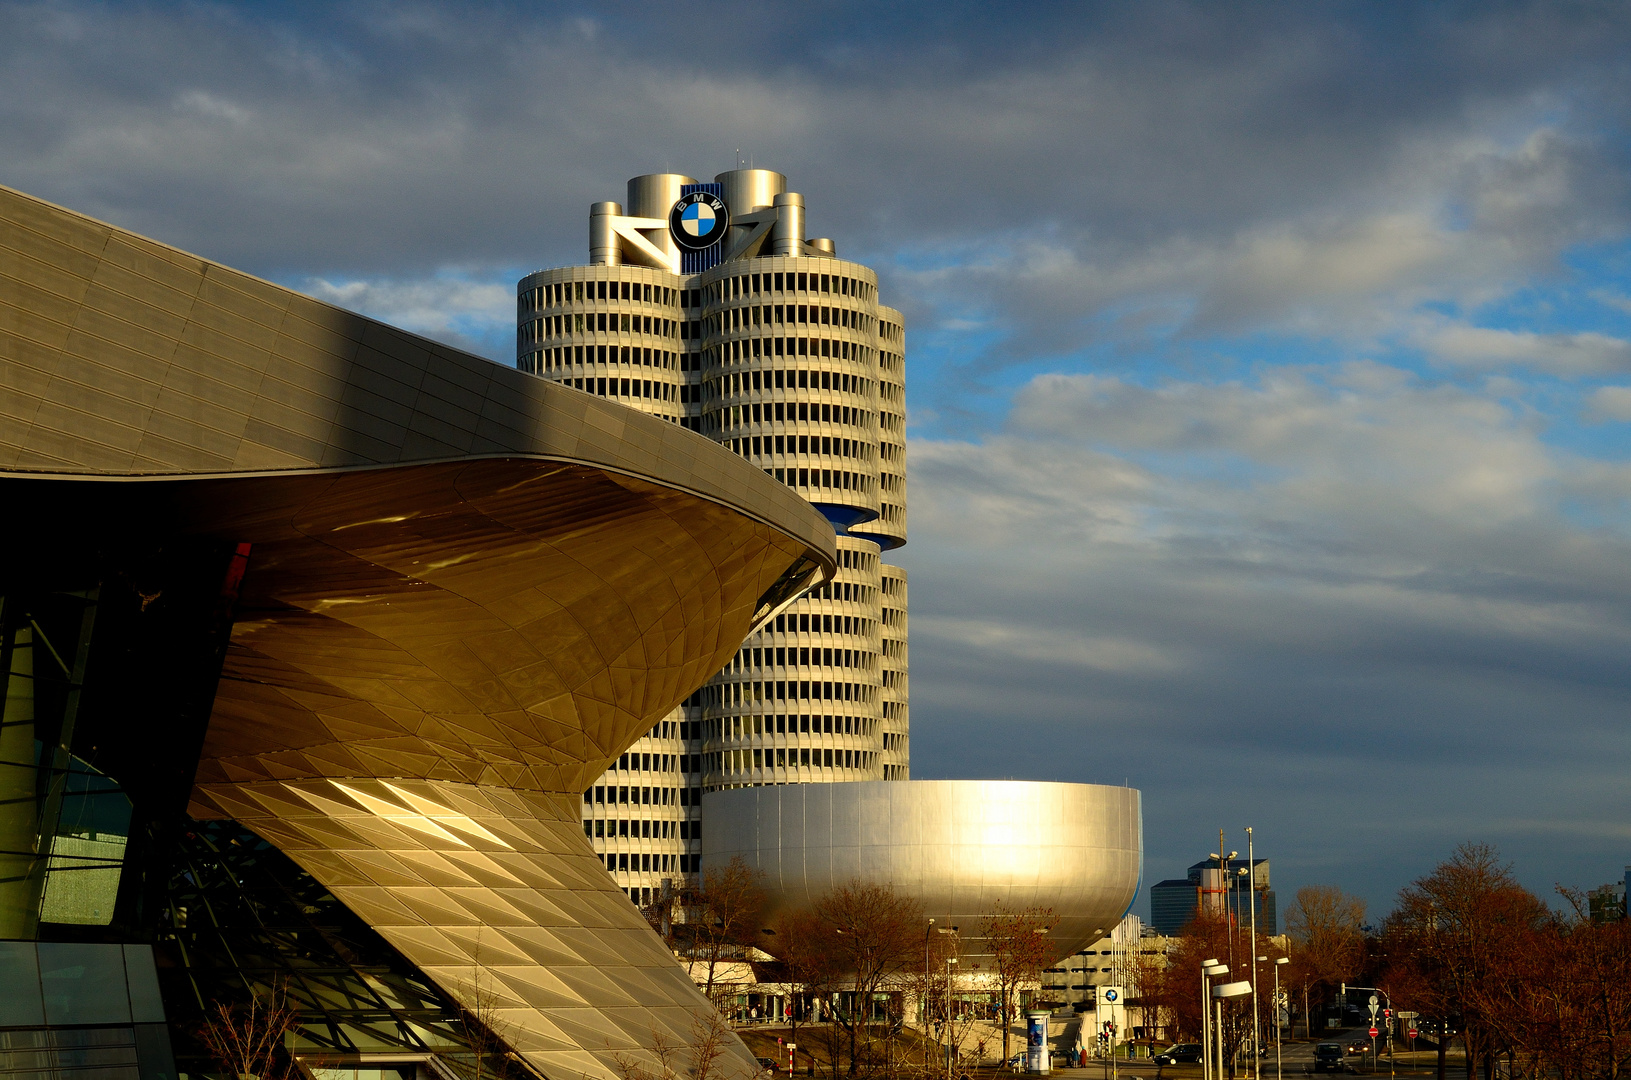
[[1209, 970], [1277, 963], [950, 960], [928, 982], [1251, 899], [928, 985], [1219, 993]]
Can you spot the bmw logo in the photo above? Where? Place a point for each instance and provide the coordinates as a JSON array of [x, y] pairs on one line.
[[1111, 995], [698, 221]]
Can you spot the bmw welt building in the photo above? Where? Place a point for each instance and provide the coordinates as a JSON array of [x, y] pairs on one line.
[[312, 634]]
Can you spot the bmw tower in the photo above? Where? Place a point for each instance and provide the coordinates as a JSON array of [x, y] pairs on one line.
[[704, 304]]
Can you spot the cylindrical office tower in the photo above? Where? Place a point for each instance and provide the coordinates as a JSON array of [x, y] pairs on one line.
[[705, 304]]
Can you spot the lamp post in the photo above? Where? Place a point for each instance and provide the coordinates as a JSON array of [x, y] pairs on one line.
[[1219, 993], [1209, 970], [1251, 899], [928, 984], [1277, 964], [950, 960]]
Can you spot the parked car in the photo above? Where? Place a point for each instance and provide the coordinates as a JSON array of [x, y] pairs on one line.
[[1172, 1055], [1328, 1057], [769, 1065]]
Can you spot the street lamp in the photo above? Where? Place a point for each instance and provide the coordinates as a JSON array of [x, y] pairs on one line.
[[1219, 993], [950, 960], [928, 980], [1277, 963], [928, 984], [1209, 970], [1251, 899]]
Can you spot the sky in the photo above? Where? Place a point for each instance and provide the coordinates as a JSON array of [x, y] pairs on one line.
[[1269, 365]]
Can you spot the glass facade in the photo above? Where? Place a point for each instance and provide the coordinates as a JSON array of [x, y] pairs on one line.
[[109, 660]]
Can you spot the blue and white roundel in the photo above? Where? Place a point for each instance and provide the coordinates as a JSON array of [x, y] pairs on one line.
[[698, 221]]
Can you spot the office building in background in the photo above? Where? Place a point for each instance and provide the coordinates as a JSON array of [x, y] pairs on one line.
[[1217, 890]]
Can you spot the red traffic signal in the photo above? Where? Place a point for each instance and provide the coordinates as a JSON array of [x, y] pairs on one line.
[[1374, 1033], [1387, 1014]]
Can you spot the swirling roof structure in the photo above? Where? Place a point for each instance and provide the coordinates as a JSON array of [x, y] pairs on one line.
[[466, 591]]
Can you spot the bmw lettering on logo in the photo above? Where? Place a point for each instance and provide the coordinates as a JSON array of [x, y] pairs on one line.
[[698, 221]]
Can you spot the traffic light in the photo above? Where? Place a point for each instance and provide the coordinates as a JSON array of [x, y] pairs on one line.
[[1387, 1014]]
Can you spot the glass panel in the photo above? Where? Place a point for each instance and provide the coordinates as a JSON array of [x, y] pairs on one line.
[[87, 854], [83, 984], [20, 1004], [145, 1004]]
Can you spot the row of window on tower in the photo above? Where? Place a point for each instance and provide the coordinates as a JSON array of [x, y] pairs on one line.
[[740, 761], [727, 694], [634, 795], [742, 727], [558, 293], [740, 285], [641, 829], [745, 349], [766, 658], [642, 863], [535, 330], [746, 318]]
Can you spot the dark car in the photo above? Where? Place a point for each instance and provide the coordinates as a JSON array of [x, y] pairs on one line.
[[1172, 1055], [1358, 1045], [768, 1065], [1328, 1057]]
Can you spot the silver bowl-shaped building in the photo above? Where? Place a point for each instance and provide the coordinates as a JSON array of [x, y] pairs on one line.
[[965, 848]]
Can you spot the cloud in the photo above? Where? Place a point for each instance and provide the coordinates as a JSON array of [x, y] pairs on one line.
[[1568, 355], [1306, 540], [468, 313], [1345, 587], [1610, 403]]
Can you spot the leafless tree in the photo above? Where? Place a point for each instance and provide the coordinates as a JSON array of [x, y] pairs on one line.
[[1452, 932], [802, 944], [724, 916], [700, 1058], [484, 1033], [246, 1038], [875, 935], [1327, 942], [1020, 949]]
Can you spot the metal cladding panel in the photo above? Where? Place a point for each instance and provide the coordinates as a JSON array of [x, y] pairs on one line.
[[962, 847]]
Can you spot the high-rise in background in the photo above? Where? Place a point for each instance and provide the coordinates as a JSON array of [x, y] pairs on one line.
[[704, 304], [1218, 889]]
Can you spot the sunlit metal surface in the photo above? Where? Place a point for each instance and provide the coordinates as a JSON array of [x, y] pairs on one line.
[[963, 847]]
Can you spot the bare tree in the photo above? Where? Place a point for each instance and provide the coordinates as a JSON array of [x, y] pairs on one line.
[[484, 1033], [1327, 942], [1020, 951], [875, 935], [246, 1038], [802, 943], [724, 916], [1452, 931], [700, 1058], [1207, 937]]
